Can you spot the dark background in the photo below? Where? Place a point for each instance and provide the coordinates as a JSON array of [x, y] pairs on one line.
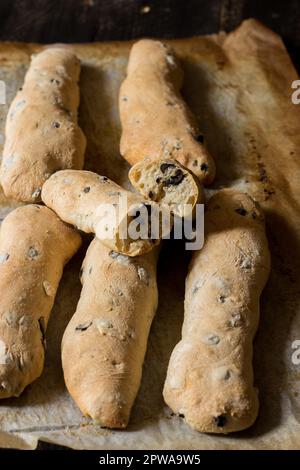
[[48, 21]]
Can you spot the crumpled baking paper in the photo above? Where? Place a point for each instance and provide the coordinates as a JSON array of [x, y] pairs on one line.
[[239, 86]]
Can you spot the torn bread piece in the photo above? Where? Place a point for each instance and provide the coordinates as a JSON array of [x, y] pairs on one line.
[[210, 373], [104, 344], [167, 181]]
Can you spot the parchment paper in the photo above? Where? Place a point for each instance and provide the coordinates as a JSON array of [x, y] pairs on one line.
[[239, 85]]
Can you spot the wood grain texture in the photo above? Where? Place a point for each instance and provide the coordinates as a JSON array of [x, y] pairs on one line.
[[70, 21]]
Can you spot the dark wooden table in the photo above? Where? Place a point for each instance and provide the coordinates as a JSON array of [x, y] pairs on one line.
[[49, 21]]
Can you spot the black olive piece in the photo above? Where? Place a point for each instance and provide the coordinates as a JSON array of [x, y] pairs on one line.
[[204, 167], [181, 415], [158, 180], [220, 421], [87, 189], [150, 194], [241, 211], [195, 290], [4, 257], [32, 252], [83, 327], [165, 166], [175, 180], [199, 138], [42, 327]]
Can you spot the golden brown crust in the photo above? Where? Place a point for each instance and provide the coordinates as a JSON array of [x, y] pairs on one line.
[[34, 247], [42, 134], [104, 344], [156, 122], [95, 204], [210, 376]]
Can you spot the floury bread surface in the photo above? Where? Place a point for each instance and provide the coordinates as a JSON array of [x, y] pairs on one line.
[[34, 247], [104, 345], [41, 133], [210, 375], [156, 122]]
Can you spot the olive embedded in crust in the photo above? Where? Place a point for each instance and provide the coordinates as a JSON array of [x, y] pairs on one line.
[[220, 421], [168, 128], [42, 125], [210, 373], [175, 179], [34, 247]]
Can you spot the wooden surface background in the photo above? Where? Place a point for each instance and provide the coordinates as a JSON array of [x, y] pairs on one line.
[[49, 21]]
